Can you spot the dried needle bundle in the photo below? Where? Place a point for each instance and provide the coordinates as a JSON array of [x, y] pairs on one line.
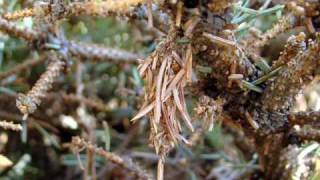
[[166, 73]]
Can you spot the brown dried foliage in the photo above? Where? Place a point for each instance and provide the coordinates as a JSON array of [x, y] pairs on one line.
[[166, 72]]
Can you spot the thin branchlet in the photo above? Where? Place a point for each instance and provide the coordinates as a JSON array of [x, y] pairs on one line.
[[89, 51]]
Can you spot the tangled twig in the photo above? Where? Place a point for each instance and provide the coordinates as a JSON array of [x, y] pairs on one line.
[[79, 144]]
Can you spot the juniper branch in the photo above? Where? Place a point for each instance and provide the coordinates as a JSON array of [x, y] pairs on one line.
[[27, 103], [78, 49], [32, 121], [280, 93], [101, 53]]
